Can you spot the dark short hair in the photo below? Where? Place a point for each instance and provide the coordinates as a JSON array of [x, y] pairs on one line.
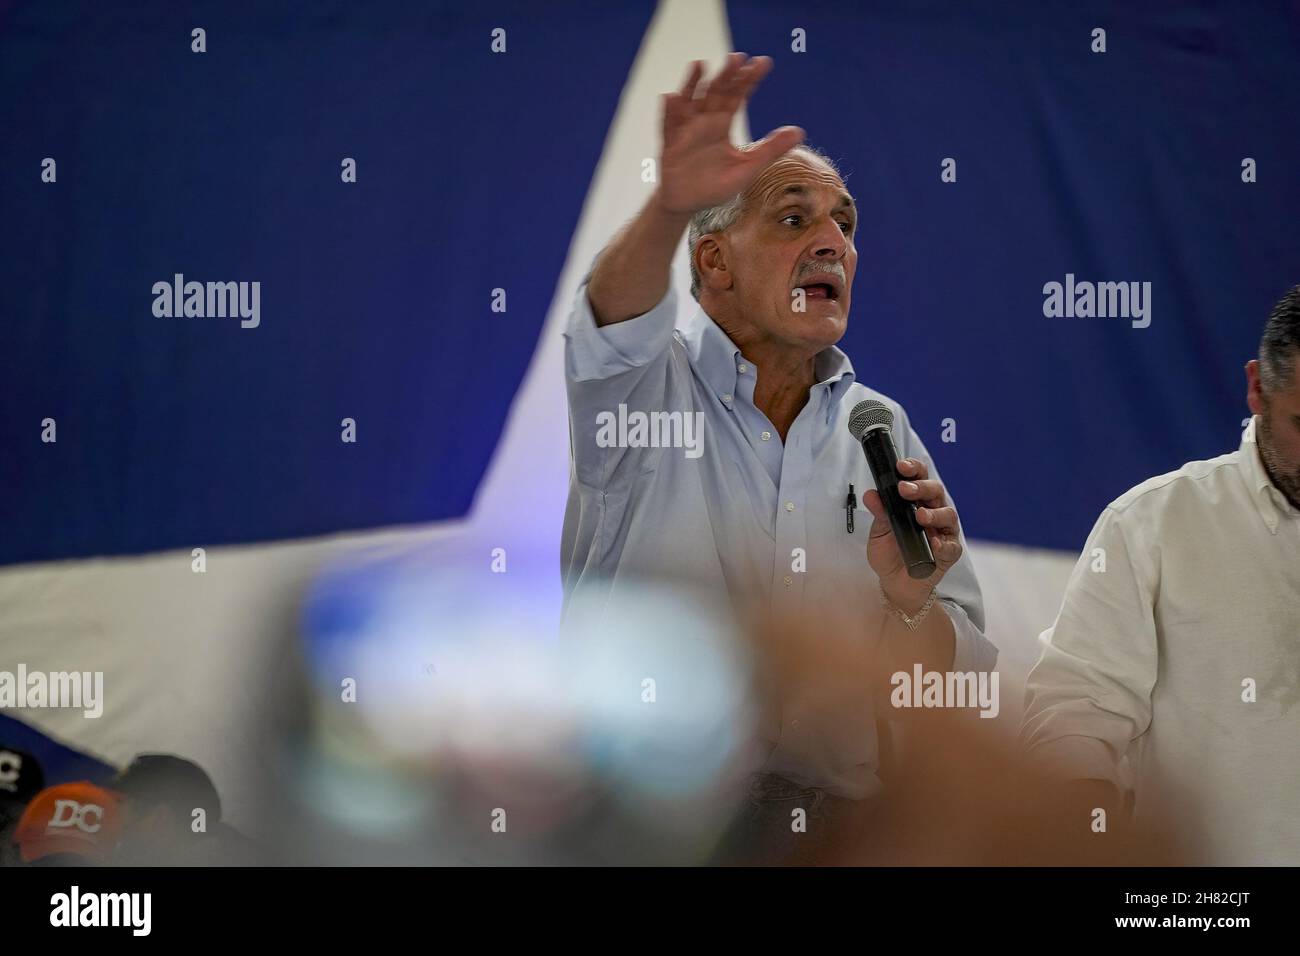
[[1281, 341], [171, 781]]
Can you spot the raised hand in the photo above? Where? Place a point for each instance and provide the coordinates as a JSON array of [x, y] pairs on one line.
[[699, 166]]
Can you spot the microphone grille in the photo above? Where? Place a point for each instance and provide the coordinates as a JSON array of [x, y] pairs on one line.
[[869, 414]]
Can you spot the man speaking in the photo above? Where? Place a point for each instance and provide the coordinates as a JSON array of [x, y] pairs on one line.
[[719, 454]]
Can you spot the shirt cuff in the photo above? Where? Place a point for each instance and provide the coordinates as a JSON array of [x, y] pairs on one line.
[[973, 652], [598, 352]]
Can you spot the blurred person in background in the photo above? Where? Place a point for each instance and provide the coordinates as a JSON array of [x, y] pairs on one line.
[[1175, 659], [70, 824], [21, 778], [752, 503], [171, 814]]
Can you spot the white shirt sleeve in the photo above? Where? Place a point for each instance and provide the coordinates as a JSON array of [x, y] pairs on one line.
[[1089, 695], [594, 353], [625, 363]]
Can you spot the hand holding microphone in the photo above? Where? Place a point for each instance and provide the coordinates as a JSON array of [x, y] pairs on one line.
[[914, 537]]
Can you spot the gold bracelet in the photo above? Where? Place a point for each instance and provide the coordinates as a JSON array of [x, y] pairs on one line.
[[912, 622]]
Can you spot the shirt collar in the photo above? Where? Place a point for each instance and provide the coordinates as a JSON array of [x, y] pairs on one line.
[[1271, 504], [718, 360]]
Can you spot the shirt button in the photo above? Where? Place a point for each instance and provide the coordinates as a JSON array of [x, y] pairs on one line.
[[767, 436], [743, 368], [789, 506], [726, 398]]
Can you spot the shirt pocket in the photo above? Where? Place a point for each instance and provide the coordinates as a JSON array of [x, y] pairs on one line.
[[853, 547], [848, 550], [834, 515]]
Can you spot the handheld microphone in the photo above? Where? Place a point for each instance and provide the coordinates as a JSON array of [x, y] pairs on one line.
[[869, 423]]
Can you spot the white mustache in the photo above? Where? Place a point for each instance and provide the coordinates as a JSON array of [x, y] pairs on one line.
[[837, 271]]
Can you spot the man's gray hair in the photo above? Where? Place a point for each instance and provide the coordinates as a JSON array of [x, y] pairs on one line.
[[723, 217], [1280, 344]]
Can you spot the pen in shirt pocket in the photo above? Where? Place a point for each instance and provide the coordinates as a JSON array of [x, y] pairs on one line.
[[849, 504]]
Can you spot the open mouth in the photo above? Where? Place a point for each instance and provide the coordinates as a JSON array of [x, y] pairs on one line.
[[822, 287]]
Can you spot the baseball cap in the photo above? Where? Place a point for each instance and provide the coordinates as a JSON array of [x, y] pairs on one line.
[[80, 819]]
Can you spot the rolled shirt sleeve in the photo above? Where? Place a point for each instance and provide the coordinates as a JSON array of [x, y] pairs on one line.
[[1089, 695], [606, 366], [595, 353]]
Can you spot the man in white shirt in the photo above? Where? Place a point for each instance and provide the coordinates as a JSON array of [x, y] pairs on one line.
[[1173, 668]]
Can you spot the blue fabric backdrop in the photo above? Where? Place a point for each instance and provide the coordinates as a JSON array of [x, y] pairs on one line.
[[375, 296], [472, 169], [1115, 166], [59, 762]]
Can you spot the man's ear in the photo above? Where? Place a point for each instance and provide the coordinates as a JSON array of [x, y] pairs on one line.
[[711, 263], [1254, 390]]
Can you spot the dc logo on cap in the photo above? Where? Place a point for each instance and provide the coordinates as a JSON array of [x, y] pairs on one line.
[[70, 813]]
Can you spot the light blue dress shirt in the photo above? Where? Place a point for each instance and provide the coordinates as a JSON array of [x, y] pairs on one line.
[[729, 517]]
